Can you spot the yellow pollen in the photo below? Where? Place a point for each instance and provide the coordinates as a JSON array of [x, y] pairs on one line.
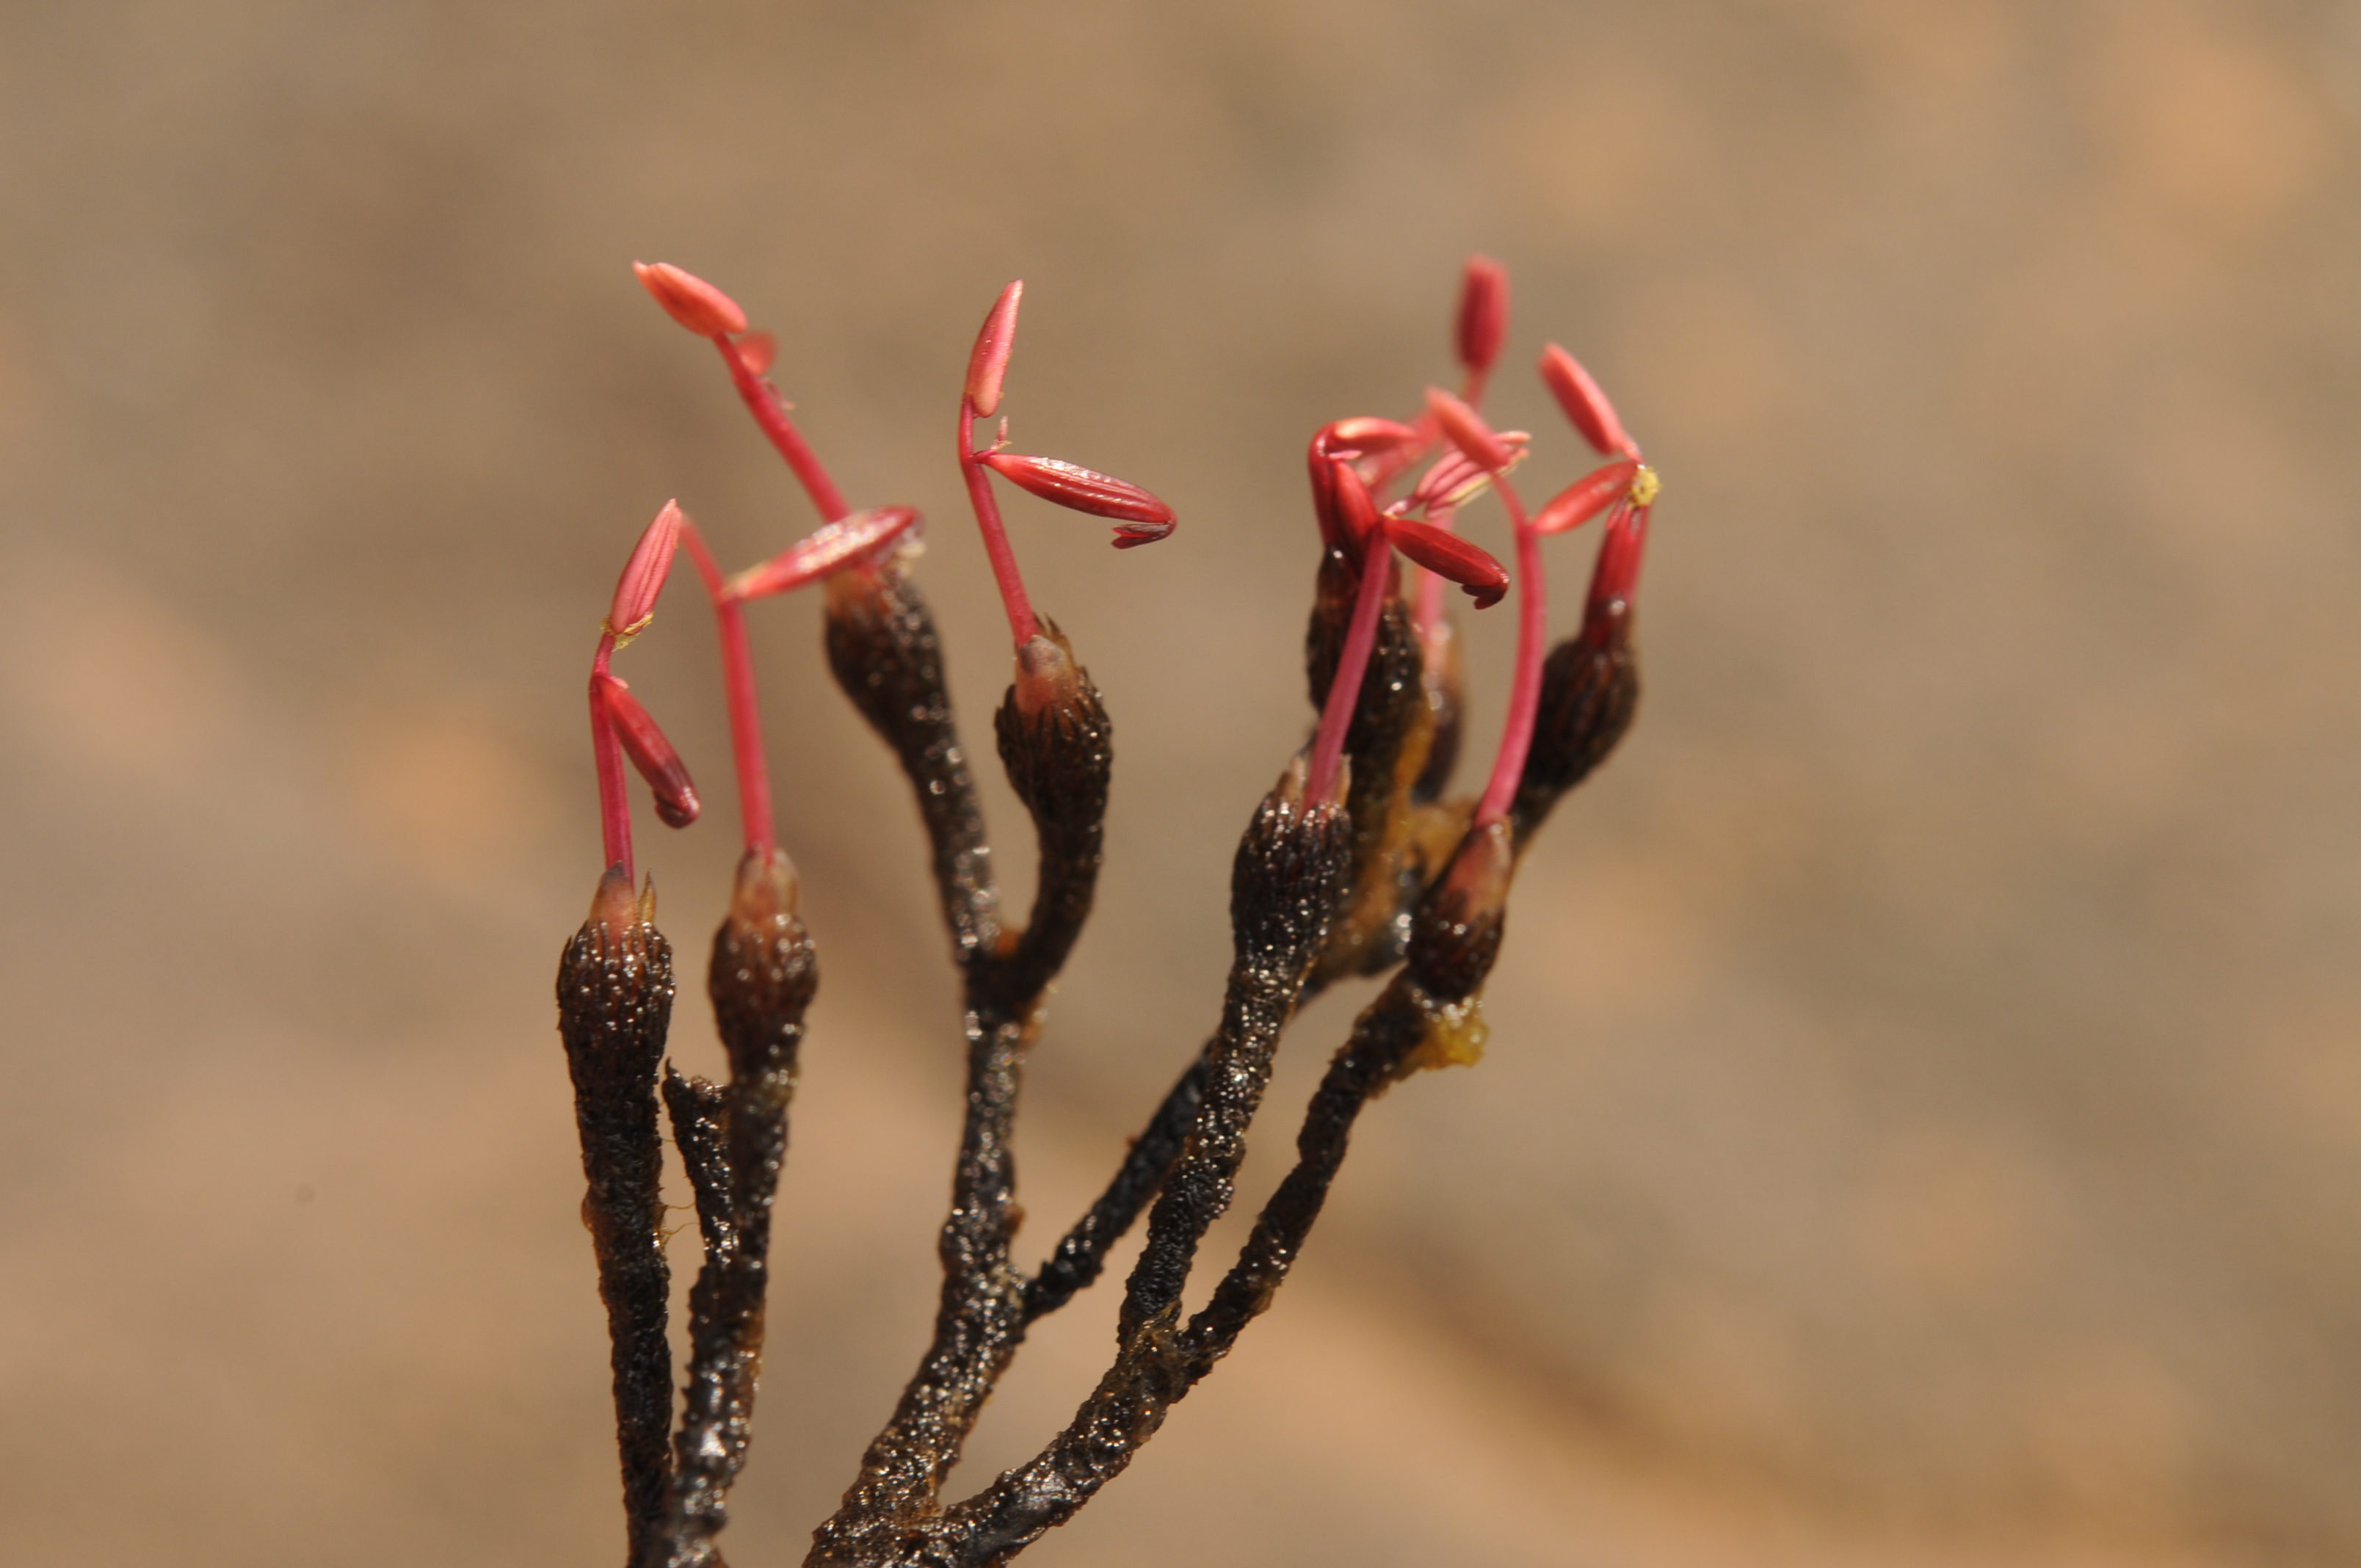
[[1645, 486]]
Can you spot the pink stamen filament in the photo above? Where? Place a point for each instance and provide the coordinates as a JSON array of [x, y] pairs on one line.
[[762, 401], [1022, 625], [1525, 691], [607, 749], [745, 712], [1431, 586], [1352, 664]]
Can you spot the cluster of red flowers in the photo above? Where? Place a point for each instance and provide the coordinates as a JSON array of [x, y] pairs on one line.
[[1353, 462]]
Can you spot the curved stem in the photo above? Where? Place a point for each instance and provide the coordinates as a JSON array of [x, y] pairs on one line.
[[614, 805], [1022, 625], [1525, 692], [763, 401]]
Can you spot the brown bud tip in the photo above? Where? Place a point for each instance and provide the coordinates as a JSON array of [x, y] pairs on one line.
[[612, 904], [1483, 313], [1586, 406], [648, 898], [690, 300], [1047, 674], [1476, 880], [1296, 778], [1467, 431], [989, 364], [644, 574], [766, 887]]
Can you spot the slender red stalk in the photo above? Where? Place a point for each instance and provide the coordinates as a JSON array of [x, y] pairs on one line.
[[1525, 689], [607, 749], [1022, 625], [745, 713], [763, 401], [1353, 662]]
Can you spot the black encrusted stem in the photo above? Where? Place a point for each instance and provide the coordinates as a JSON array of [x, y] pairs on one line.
[[695, 1107], [762, 981], [885, 651], [614, 1007], [1080, 1254], [1284, 884]]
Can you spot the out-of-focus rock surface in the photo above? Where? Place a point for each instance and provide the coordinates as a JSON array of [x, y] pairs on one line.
[[1923, 1116]]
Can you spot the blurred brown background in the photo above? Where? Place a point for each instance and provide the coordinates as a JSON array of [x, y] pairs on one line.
[[1923, 1120]]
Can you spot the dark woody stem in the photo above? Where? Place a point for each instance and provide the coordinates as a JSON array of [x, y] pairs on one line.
[[614, 1007], [762, 981], [1054, 738]]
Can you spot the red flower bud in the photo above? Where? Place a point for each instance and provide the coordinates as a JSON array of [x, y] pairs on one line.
[[826, 550], [759, 350], [1449, 556], [690, 300], [644, 574], [989, 363], [1585, 404], [649, 752], [1483, 313], [1086, 490], [1467, 430], [1587, 497]]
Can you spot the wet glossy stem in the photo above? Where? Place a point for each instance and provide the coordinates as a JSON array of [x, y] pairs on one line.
[[1081, 1254], [762, 981], [746, 711], [1525, 689], [1344, 690], [614, 1007], [1021, 622], [614, 803], [762, 401]]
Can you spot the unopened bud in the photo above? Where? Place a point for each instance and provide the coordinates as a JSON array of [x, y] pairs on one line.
[[989, 364], [644, 574], [690, 300], [1483, 313], [826, 550], [1590, 495], [1584, 403], [1467, 431], [651, 753], [1449, 556]]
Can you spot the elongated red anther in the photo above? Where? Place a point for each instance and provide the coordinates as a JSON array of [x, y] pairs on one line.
[[1357, 510], [826, 549], [989, 364], [1465, 429], [644, 743], [1366, 435], [1449, 556], [1078, 488], [644, 574], [1585, 404], [690, 300], [1587, 497], [1483, 319]]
